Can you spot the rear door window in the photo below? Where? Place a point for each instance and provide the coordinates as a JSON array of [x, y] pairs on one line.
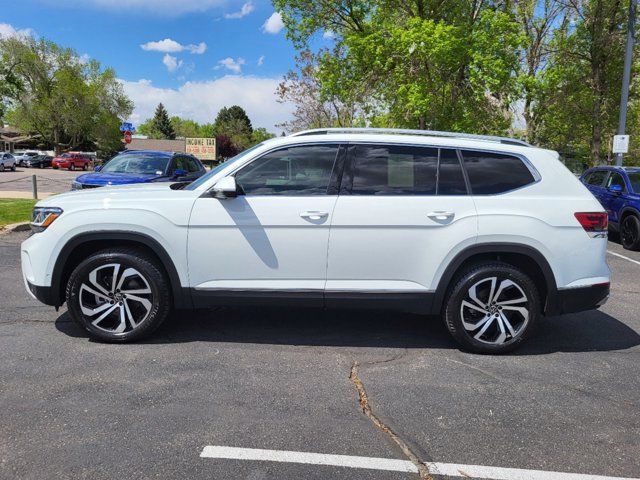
[[596, 178], [394, 170], [494, 173]]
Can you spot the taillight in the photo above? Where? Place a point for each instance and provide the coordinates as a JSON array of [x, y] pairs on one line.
[[593, 221]]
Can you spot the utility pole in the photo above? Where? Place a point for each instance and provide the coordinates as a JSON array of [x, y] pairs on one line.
[[626, 77]]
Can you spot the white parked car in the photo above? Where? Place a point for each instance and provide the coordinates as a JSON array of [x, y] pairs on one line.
[[23, 157], [7, 162], [490, 233]]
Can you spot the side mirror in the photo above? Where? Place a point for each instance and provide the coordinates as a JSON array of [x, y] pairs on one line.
[[178, 172], [225, 188], [615, 189], [98, 168]]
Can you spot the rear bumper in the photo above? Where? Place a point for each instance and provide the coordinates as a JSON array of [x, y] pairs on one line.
[[571, 300]]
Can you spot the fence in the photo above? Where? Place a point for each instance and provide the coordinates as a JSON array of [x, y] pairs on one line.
[[33, 182]]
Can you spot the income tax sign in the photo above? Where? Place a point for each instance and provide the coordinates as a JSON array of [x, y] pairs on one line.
[[203, 148]]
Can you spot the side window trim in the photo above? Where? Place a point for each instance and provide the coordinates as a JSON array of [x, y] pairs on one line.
[[464, 172], [336, 162]]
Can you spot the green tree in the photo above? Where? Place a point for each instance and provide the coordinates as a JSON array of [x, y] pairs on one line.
[[234, 123], [52, 94], [579, 97], [413, 63], [161, 126]]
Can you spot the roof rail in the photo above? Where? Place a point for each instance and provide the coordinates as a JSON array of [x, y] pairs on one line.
[[402, 131]]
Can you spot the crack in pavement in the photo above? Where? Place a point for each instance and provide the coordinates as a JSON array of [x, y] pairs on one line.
[[423, 470]]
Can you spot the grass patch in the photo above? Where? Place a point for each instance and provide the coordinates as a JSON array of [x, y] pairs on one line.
[[15, 210]]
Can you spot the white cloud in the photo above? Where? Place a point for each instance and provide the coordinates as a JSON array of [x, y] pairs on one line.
[[328, 35], [169, 45], [246, 9], [230, 64], [171, 62], [9, 31], [84, 58], [201, 101], [261, 60], [273, 24]]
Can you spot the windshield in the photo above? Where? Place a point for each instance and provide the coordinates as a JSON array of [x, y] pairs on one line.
[[144, 163], [218, 168], [66, 155], [634, 178]]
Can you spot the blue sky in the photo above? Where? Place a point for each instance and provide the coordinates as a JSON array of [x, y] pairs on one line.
[[193, 55]]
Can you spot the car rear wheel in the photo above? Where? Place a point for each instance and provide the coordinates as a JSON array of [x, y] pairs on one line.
[[118, 295], [13, 167], [630, 233], [84, 167], [492, 308], [72, 166]]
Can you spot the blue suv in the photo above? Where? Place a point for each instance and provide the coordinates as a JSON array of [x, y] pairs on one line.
[[618, 190], [142, 166]]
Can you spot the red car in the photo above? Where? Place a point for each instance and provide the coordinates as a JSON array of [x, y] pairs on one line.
[[71, 161]]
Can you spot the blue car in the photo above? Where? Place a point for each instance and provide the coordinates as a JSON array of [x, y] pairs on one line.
[[142, 166], [618, 190]]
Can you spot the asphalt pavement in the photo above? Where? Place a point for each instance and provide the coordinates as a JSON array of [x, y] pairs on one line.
[[568, 401]]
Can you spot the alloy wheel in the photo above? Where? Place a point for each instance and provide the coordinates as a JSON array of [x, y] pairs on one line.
[[628, 232], [115, 299], [495, 310]]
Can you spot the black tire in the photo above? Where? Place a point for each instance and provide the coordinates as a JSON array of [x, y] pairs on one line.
[[630, 233], [72, 167], [84, 167], [514, 283], [13, 167], [121, 309], [1, 167], [41, 165]]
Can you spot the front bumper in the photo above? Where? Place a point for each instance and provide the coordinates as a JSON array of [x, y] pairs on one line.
[[42, 294], [572, 300]]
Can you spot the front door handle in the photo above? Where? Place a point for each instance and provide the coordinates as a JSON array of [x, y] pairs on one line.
[[441, 216], [314, 215]]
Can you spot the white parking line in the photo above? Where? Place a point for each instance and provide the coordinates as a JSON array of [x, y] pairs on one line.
[[390, 464], [622, 256]]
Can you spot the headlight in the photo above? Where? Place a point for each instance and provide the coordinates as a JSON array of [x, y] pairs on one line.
[[42, 217], [76, 186]]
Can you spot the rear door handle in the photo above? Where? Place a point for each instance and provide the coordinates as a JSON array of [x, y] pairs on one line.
[[441, 216], [314, 215]]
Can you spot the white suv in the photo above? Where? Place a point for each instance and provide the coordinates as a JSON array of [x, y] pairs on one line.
[[488, 232]]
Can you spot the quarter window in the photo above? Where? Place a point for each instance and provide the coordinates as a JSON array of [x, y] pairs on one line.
[[492, 173], [303, 170]]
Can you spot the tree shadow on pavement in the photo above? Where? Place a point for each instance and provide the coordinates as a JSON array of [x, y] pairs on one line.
[[583, 332]]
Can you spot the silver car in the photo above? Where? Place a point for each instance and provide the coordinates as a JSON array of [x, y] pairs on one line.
[[7, 162]]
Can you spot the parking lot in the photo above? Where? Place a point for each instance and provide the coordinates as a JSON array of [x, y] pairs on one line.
[[297, 381], [50, 181]]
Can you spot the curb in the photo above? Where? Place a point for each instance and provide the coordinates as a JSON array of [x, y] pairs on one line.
[[15, 227]]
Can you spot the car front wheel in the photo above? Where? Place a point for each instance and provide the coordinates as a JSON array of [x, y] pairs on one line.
[[492, 308], [1, 167], [118, 295]]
